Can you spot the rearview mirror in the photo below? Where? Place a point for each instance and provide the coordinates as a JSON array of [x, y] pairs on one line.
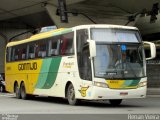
[[92, 48], [152, 48]]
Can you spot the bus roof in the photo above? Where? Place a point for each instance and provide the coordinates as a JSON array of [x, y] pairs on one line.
[[41, 36], [105, 26], [66, 30]]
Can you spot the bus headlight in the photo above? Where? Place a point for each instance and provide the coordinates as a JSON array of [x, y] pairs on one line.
[[100, 84], [142, 84]]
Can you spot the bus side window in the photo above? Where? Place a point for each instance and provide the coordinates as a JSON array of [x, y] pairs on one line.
[[19, 52], [31, 54], [54, 45], [67, 46], [70, 48], [41, 49], [16, 54], [13, 54], [64, 43], [8, 54], [24, 50]]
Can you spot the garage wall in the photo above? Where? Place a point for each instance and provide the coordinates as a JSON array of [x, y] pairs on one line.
[[2, 54], [153, 74]]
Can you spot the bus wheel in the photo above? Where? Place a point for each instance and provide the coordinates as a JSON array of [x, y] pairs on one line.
[[115, 102], [71, 95], [17, 91], [23, 92]]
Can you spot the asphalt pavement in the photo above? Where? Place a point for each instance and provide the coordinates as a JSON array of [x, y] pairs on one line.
[[41, 107]]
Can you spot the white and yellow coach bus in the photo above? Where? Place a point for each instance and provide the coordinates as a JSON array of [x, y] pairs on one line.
[[91, 62]]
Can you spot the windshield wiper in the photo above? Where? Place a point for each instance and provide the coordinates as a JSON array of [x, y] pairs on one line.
[[111, 75]]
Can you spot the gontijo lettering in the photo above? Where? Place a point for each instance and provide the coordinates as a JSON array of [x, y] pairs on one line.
[[27, 66]]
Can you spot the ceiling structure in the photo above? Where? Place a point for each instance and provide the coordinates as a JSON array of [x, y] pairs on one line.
[[35, 20], [34, 13], [15, 8], [28, 12]]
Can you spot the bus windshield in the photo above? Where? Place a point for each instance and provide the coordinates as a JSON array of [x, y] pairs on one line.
[[119, 60], [115, 35]]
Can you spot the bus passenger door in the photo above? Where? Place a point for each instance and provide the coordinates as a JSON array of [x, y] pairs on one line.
[[83, 61], [84, 64]]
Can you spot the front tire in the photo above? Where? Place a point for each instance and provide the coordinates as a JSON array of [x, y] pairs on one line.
[[115, 102], [71, 95]]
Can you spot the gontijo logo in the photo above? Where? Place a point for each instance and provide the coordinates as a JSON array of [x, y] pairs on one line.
[[27, 66]]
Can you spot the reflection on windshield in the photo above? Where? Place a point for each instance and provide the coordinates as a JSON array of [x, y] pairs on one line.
[[119, 61], [115, 35]]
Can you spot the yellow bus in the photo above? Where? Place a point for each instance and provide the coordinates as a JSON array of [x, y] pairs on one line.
[[91, 62]]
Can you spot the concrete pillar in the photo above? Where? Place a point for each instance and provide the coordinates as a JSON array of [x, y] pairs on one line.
[[2, 53]]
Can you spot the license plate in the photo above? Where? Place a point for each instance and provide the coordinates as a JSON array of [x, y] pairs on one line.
[[123, 93]]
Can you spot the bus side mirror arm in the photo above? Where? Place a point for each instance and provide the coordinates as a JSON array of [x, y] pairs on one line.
[[92, 48], [152, 49]]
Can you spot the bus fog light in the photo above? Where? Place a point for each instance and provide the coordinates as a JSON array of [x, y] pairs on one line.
[[142, 84], [100, 84]]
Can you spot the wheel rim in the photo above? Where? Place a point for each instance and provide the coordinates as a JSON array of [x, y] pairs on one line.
[[16, 91], [71, 94], [22, 91]]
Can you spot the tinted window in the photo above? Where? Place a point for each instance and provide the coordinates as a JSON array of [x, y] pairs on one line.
[[37, 49], [67, 46], [31, 54], [41, 49], [8, 54], [19, 52], [54, 44], [84, 63]]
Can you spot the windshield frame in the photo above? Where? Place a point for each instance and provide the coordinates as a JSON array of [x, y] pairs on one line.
[[138, 36], [139, 42]]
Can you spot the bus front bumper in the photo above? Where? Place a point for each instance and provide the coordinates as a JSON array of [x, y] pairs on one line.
[[99, 93]]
